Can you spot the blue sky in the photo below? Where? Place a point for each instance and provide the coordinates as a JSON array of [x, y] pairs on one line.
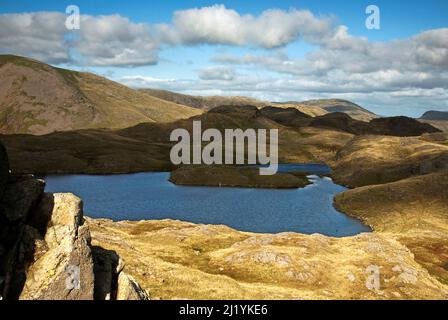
[[255, 66]]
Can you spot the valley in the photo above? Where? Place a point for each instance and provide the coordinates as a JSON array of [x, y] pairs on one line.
[[76, 126]]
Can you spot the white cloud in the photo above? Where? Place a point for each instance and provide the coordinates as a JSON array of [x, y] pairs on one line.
[[217, 73], [411, 71], [114, 40], [219, 25], [39, 35], [140, 81], [102, 40]]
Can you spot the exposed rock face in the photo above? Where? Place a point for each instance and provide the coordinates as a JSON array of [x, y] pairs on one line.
[[129, 289], [64, 271], [21, 195], [45, 247]]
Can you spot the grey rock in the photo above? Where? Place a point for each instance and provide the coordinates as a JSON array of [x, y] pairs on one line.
[[21, 194], [65, 270], [129, 289]]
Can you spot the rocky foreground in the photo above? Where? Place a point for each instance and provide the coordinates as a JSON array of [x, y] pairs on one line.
[[45, 247], [178, 260]]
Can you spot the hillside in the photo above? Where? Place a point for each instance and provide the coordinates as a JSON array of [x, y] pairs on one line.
[[435, 115], [438, 119], [37, 98], [146, 147], [203, 102], [413, 211], [312, 107], [337, 105], [368, 160]]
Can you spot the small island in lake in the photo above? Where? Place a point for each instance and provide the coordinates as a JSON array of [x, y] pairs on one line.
[[236, 176]]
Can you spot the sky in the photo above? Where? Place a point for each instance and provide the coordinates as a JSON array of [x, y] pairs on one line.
[[271, 50]]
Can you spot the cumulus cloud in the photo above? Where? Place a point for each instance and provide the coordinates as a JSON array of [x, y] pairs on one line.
[[219, 25], [217, 73], [102, 40], [356, 65], [413, 71], [39, 35], [114, 40]]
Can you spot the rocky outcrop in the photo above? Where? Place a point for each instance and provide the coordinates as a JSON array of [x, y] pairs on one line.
[[180, 260], [129, 289], [393, 126], [20, 197], [45, 247], [63, 270], [111, 282]]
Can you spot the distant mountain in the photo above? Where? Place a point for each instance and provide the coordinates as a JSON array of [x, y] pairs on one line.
[[37, 98], [438, 119], [146, 146], [312, 107], [337, 105], [204, 102], [393, 126], [435, 115]]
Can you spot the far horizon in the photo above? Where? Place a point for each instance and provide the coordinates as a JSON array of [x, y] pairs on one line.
[[313, 50]]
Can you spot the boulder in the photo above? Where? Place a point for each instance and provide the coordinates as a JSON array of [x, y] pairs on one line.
[[129, 289], [65, 270]]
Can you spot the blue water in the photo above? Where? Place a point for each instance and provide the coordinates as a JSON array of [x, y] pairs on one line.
[[150, 196]]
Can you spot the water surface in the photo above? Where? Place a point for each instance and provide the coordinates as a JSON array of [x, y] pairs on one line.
[[150, 196]]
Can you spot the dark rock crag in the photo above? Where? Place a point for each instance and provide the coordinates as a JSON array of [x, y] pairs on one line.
[[45, 246]]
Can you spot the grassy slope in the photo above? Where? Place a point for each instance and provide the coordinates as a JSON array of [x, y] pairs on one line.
[[179, 260], [38, 98], [146, 146], [368, 160], [414, 211]]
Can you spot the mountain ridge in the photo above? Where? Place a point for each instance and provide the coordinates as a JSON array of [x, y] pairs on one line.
[[38, 98]]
